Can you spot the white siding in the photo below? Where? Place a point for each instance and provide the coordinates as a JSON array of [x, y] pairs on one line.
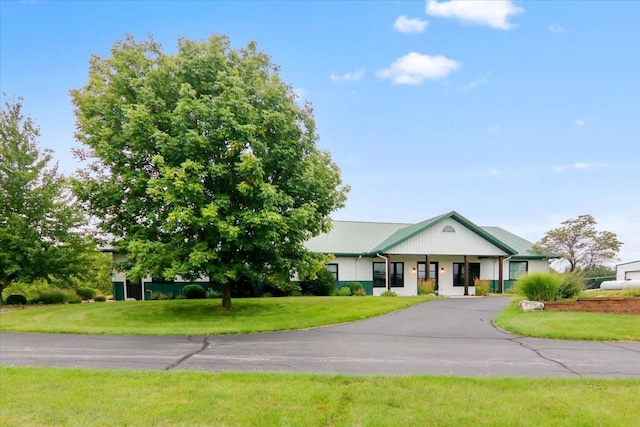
[[434, 241], [361, 269], [628, 271], [354, 269]]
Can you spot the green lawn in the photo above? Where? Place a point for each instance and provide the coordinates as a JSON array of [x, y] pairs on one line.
[[199, 317], [70, 397], [570, 325]]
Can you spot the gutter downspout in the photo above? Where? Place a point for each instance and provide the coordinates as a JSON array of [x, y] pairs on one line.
[[386, 270]]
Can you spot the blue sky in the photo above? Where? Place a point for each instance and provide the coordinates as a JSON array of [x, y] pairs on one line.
[[515, 114]]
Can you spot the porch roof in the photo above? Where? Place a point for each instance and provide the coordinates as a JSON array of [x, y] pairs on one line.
[[350, 238]]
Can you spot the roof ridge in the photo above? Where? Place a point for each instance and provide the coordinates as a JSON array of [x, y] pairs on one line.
[[374, 222]]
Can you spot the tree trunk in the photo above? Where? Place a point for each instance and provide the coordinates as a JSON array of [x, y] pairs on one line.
[[226, 296]]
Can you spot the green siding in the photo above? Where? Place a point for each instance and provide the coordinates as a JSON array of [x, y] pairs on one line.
[[117, 288], [506, 285], [368, 285], [173, 288]]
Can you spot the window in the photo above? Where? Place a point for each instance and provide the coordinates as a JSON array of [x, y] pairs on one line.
[[333, 269], [433, 271], [458, 273], [518, 269], [379, 275], [397, 274], [448, 229], [396, 271]]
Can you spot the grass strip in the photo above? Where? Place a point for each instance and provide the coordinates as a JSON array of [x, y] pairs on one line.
[[55, 396], [569, 325], [199, 317]]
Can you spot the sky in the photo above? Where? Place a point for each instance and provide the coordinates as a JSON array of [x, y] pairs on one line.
[[514, 114]]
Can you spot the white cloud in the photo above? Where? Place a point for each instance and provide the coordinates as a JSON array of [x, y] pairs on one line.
[[347, 77], [556, 28], [481, 81], [414, 68], [406, 25], [494, 172], [580, 166], [579, 122], [493, 13]]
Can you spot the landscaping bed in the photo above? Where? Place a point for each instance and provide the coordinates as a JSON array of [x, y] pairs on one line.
[[618, 305]]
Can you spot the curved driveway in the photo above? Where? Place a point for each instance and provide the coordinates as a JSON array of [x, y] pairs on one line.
[[453, 336]]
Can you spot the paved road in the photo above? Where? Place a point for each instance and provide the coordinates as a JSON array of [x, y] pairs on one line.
[[449, 336]]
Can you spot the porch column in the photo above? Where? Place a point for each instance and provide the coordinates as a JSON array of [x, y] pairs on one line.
[[500, 274], [388, 272], [466, 275], [427, 267]]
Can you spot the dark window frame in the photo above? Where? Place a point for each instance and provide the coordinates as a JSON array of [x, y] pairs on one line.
[[458, 277], [334, 273], [396, 279], [526, 269], [434, 276]]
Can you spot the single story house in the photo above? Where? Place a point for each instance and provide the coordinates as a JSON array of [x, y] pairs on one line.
[[394, 256], [628, 271], [391, 256]]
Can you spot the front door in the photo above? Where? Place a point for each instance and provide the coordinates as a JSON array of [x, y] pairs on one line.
[[134, 289], [433, 273]]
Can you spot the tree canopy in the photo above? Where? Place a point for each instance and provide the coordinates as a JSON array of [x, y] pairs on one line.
[[203, 162], [41, 226], [578, 243]]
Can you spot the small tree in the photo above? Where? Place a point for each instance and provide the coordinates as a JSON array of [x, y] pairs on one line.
[[40, 224], [204, 163], [579, 244]]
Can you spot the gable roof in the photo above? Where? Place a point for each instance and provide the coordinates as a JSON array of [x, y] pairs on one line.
[[408, 232], [348, 238]]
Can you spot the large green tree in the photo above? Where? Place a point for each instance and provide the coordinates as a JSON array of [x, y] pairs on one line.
[[580, 245], [41, 226], [202, 162]]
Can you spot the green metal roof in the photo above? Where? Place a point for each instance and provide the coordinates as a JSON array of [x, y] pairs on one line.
[[523, 247], [352, 238], [349, 238]]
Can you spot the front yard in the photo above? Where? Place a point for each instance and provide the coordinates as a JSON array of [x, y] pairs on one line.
[[53, 397], [199, 317]]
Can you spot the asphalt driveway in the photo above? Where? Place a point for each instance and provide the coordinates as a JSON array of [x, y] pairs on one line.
[[453, 336]]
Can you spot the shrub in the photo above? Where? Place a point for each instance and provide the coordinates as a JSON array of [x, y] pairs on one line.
[[16, 299], [388, 294], [86, 293], [482, 287], [52, 296], [29, 290], [281, 288], [572, 285], [357, 288], [324, 284], [194, 291], [539, 286], [100, 298], [426, 287], [342, 292], [213, 293], [160, 296]]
